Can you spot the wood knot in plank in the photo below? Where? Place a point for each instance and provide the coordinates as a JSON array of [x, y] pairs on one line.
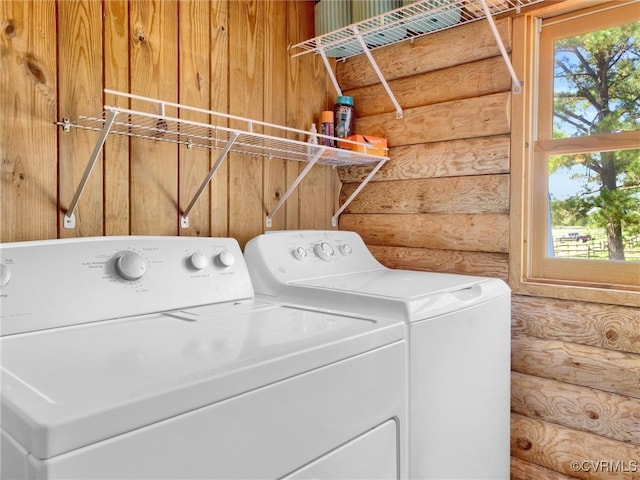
[[32, 69], [612, 335], [523, 443], [592, 415], [10, 29], [139, 34]]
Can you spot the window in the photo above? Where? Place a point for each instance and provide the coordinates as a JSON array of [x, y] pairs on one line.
[[582, 110]]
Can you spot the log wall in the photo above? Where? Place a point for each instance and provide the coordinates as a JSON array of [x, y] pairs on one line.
[[56, 57], [442, 204]]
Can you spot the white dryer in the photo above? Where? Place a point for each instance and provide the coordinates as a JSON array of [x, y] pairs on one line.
[[149, 358], [458, 328]]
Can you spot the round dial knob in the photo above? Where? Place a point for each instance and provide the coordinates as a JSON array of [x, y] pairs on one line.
[[198, 260], [346, 249], [131, 266], [300, 253], [5, 275], [323, 250], [226, 258]]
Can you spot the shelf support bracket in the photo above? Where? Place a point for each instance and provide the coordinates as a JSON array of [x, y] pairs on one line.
[[294, 185], [329, 69], [334, 219], [515, 82], [184, 218], [69, 217], [383, 81]]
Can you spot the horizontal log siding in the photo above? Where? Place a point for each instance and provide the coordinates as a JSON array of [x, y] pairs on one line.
[[443, 198], [575, 392]]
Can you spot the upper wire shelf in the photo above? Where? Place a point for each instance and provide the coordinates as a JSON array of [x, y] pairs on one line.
[[405, 23], [250, 137], [410, 21]]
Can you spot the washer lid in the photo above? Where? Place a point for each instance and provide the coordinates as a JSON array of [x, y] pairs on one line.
[[65, 388], [411, 294]]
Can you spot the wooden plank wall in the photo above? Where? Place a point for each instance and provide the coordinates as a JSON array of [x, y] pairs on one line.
[[229, 56], [442, 204]]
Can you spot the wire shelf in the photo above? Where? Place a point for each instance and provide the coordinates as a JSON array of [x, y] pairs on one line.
[[198, 135], [248, 140], [404, 23]]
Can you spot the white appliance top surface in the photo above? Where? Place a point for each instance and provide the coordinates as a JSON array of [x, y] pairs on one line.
[[316, 267], [67, 387], [392, 284]]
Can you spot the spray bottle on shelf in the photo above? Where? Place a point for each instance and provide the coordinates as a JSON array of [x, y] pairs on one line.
[[313, 139], [326, 128]]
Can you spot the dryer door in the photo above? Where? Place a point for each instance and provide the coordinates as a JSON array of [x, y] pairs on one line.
[[372, 455]]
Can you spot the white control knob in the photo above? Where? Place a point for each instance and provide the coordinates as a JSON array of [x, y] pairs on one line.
[[346, 249], [300, 253], [324, 251], [5, 275], [226, 258], [198, 260], [131, 266]]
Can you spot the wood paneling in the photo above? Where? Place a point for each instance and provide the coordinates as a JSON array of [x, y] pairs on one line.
[[116, 150], [246, 98], [80, 77], [227, 56], [219, 101], [194, 89], [153, 26], [28, 108]]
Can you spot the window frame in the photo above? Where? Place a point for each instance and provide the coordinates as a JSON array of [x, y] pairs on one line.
[[531, 271]]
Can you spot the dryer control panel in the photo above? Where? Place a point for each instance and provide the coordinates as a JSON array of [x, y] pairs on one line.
[[309, 253], [98, 278], [284, 257]]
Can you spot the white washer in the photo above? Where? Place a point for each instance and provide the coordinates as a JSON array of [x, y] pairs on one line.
[[458, 328], [149, 357]]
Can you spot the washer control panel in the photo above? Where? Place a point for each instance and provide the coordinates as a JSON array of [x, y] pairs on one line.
[[97, 278]]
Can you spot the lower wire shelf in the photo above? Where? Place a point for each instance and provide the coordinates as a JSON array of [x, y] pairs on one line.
[[214, 136]]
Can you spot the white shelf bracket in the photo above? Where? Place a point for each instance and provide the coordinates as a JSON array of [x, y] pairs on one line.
[[515, 82], [383, 81], [334, 219], [294, 185], [329, 69], [69, 217], [184, 218]]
